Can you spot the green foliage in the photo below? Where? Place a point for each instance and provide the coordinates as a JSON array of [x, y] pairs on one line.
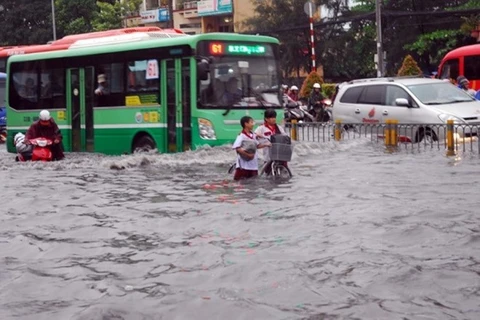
[[307, 85], [280, 14], [435, 44], [25, 21], [30, 21], [328, 89], [109, 15], [409, 67], [74, 16]]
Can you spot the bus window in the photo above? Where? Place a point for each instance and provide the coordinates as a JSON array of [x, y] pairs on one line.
[[143, 75], [114, 74], [53, 88], [472, 67], [24, 90], [450, 69], [241, 82]]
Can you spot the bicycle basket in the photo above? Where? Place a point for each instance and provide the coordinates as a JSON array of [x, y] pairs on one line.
[[281, 152], [281, 138]]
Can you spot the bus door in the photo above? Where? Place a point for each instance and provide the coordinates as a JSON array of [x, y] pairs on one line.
[[81, 83], [179, 136]]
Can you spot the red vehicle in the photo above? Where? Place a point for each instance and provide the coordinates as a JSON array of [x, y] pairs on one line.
[[65, 42], [463, 61], [41, 150]]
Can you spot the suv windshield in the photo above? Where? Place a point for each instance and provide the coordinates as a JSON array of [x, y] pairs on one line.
[[439, 93], [241, 82]]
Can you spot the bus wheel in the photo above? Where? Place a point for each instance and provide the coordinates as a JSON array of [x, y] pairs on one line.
[[143, 144]]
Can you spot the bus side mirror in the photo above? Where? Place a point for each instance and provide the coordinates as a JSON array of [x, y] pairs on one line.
[[203, 68]]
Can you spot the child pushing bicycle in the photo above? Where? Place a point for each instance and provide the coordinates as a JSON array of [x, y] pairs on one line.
[[265, 132], [246, 146]]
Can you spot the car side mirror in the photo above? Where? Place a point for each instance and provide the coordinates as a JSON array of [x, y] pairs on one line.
[[402, 102]]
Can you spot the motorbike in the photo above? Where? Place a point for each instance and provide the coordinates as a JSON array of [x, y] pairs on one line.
[[322, 112], [307, 116], [40, 152], [294, 111]]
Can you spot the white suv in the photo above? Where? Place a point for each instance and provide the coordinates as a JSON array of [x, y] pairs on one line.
[[421, 101]]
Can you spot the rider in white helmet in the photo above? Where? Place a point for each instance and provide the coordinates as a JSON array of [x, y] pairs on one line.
[[45, 127], [315, 101], [293, 94]]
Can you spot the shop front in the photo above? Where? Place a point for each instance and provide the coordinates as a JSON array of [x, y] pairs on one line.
[[216, 15]]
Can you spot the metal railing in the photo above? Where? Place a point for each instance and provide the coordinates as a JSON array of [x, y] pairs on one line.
[[456, 138]]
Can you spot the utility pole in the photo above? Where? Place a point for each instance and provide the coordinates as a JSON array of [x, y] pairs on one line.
[[378, 11], [53, 21]]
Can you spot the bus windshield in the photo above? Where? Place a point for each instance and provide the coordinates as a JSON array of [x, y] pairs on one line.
[[241, 82]]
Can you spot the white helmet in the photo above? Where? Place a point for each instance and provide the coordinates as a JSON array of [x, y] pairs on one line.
[[19, 137], [44, 115], [316, 85], [294, 88]]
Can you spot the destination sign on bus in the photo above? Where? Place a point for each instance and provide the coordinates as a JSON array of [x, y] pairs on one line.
[[221, 48]]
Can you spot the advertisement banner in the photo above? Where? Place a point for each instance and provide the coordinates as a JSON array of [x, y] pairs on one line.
[[163, 15], [156, 15], [214, 7], [149, 16]]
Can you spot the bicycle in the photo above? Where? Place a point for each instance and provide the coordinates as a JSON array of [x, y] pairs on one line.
[[280, 152], [278, 169]]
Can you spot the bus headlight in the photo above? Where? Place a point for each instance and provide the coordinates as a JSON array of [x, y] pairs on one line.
[[206, 129]]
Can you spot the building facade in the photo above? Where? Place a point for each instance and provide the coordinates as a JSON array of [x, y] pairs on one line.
[[194, 17]]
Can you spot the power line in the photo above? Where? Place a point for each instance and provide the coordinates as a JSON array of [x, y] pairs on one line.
[[371, 16]]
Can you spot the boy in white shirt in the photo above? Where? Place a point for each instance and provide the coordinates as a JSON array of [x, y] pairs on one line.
[[266, 131], [246, 145]]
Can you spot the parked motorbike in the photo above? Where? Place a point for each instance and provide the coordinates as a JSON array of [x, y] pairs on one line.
[[41, 150], [307, 116], [293, 111]]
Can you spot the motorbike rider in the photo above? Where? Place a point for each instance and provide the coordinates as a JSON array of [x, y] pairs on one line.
[[315, 100], [23, 150], [46, 127], [293, 94], [264, 133], [463, 83]]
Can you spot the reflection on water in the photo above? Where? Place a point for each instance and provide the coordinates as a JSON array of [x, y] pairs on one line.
[[357, 233]]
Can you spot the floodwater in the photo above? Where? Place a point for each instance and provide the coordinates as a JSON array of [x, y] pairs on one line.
[[357, 233]]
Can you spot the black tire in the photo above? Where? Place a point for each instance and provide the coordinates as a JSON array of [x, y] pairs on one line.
[[143, 144], [280, 171]]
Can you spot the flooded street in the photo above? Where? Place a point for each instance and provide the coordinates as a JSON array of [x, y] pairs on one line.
[[357, 233]]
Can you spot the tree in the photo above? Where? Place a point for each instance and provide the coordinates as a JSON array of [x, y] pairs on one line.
[[409, 67], [281, 14], [74, 16], [110, 13], [307, 85], [25, 22]]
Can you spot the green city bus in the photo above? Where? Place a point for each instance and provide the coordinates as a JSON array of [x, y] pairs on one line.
[[170, 92]]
